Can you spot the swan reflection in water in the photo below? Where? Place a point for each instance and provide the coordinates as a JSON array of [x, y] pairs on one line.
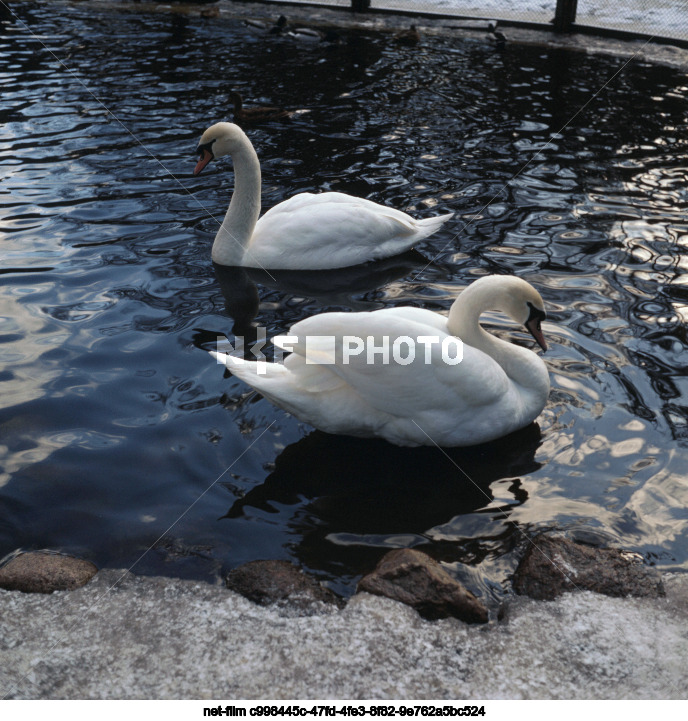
[[350, 500], [239, 286]]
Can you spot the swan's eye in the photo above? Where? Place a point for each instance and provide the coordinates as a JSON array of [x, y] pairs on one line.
[[533, 325], [206, 146], [206, 155], [536, 315]]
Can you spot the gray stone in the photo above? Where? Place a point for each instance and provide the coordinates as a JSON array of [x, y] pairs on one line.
[[44, 572], [553, 565], [281, 582], [417, 580]]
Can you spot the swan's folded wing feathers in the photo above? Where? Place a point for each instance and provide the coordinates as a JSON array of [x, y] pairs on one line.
[[279, 381], [312, 377], [433, 385], [386, 321], [311, 201], [343, 229], [358, 221]]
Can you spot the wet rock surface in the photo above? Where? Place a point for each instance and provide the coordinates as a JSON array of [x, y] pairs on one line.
[[417, 580], [552, 566], [43, 572], [278, 582]]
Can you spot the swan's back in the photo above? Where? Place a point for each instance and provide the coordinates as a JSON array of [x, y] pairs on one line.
[[329, 230]]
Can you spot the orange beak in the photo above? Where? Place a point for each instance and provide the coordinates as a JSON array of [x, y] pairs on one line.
[[533, 327], [206, 157]]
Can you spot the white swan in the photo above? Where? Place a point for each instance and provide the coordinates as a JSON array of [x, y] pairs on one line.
[[497, 388], [308, 231]]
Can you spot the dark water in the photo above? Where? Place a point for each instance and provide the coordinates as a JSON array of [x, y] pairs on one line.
[[118, 432]]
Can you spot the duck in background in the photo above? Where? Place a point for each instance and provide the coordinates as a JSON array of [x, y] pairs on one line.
[[257, 113], [267, 27], [304, 33], [313, 35], [498, 35], [408, 37], [211, 12]]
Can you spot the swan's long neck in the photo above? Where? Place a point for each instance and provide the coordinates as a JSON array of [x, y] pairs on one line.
[[523, 366], [232, 240]]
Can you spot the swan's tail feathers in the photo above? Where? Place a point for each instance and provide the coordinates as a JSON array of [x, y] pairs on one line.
[[279, 384], [247, 370], [428, 226], [296, 374]]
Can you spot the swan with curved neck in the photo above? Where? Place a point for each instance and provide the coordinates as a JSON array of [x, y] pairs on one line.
[[308, 231], [339, 378]]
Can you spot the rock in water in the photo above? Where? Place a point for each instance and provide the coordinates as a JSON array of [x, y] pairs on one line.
[[417, 580], [552, 566], [44, 572], [268, 582]]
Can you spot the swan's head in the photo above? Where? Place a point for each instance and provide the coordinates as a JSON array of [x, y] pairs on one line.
[[218, 140], [536, 314], [511, 295], [520, 301]]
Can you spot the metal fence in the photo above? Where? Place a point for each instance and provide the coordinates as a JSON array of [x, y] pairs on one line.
[[651, 18]]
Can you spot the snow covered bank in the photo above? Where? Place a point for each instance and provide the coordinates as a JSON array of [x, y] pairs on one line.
[[163, 638]]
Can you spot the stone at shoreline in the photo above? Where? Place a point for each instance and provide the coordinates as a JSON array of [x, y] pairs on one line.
[[554, 565], [280, 582], [417, 580], [41, 572]]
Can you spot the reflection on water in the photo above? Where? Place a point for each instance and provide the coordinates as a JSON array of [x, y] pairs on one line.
[[113, 418], [336, 287], [358, 498]]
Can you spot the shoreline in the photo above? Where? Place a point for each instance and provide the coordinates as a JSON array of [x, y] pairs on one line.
[[131, 637], [395, 19]]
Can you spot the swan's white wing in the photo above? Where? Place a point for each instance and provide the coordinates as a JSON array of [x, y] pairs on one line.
[[328, 230], [344, 344], [304, 202]]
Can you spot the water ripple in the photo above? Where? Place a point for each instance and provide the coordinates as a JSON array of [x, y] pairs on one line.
[[111, 411]]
